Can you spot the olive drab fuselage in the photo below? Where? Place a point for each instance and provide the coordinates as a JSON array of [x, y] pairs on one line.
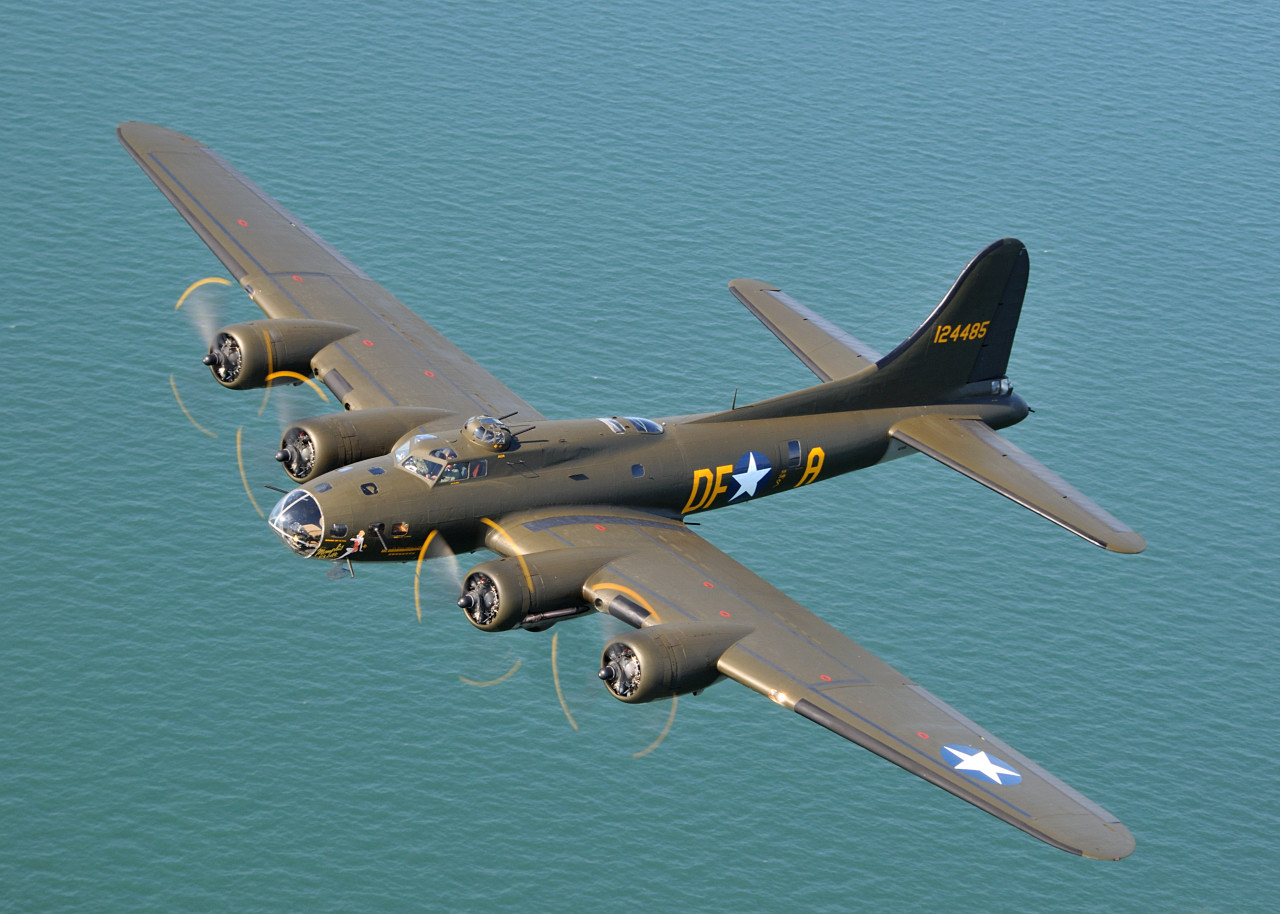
[[381, 510]]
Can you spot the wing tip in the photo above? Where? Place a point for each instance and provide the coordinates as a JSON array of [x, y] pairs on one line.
[[751, 285], [1128, 543], [1116, 845], [138, 135]]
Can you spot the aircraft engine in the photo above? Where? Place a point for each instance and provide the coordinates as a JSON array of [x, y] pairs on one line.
[[323, 443], [666, 660], [243, 356], [532, 591]]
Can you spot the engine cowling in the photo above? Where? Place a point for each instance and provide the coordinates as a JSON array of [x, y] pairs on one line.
[[664, 660], [500, 595], [322, 443], [243, 356]]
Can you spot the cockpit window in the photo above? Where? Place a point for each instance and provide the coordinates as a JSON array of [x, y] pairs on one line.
[[460, 470], [403, 450], [427, 469], [442, 465], [614, 426]]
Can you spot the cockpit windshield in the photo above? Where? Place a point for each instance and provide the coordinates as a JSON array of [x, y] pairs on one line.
[[442, 465]]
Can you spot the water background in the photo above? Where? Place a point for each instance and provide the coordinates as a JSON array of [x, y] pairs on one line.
[[192, 719]]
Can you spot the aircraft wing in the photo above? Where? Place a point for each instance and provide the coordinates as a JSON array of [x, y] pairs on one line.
[[662, 572], [828, 351], [396, 358], [973, 448]]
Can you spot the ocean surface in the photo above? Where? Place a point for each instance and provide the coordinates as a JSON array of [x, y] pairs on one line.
[[193, 719]]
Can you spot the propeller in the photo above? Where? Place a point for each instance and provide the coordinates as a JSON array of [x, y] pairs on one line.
[[445, 563], [202, 305], [297, 453], [202, 310]]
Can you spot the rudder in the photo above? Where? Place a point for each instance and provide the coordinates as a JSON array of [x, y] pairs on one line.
[[968, 337]]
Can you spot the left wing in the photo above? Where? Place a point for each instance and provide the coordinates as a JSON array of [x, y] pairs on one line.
[[396, 359], [665, 573]]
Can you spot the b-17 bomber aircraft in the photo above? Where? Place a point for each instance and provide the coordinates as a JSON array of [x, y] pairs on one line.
[[587, 515]]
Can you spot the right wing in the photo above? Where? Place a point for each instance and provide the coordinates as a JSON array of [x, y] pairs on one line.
[[396, 359], [662, 572], [973, 448]]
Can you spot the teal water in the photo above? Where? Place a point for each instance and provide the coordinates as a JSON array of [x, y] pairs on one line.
[[192, 719]]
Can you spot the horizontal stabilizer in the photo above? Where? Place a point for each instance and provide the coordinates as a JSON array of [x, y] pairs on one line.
[[973, 448], [828, 351]]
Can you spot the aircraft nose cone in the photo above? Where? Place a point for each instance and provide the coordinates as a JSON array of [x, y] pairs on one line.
[[298, 520]]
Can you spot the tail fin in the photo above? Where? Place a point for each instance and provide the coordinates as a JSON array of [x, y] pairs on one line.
[[965, 341], [968, 337]]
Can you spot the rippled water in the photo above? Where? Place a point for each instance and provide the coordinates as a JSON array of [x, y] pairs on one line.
[[195, 720]]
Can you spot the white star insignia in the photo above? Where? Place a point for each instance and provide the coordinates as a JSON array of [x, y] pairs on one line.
[[749, 478], [982, 764]]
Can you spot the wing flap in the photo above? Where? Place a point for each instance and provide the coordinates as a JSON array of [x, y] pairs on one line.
[[828, 351], [973, 448]]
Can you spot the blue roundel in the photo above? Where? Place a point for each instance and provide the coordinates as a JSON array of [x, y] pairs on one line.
[[980, 765], [751, 472]]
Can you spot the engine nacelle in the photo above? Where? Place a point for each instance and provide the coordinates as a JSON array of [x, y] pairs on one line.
[[323, 443], [532, 591], [665, 660], [244, 356]]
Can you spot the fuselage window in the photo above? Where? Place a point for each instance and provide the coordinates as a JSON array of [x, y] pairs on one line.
[[400, 529], [637, 470], [646, 426], [793, 454]]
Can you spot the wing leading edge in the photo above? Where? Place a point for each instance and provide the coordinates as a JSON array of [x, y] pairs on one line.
[[396, 358], [669, 574]]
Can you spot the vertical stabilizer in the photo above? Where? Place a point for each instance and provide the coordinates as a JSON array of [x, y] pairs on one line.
[[968, 337], [965, 341]]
